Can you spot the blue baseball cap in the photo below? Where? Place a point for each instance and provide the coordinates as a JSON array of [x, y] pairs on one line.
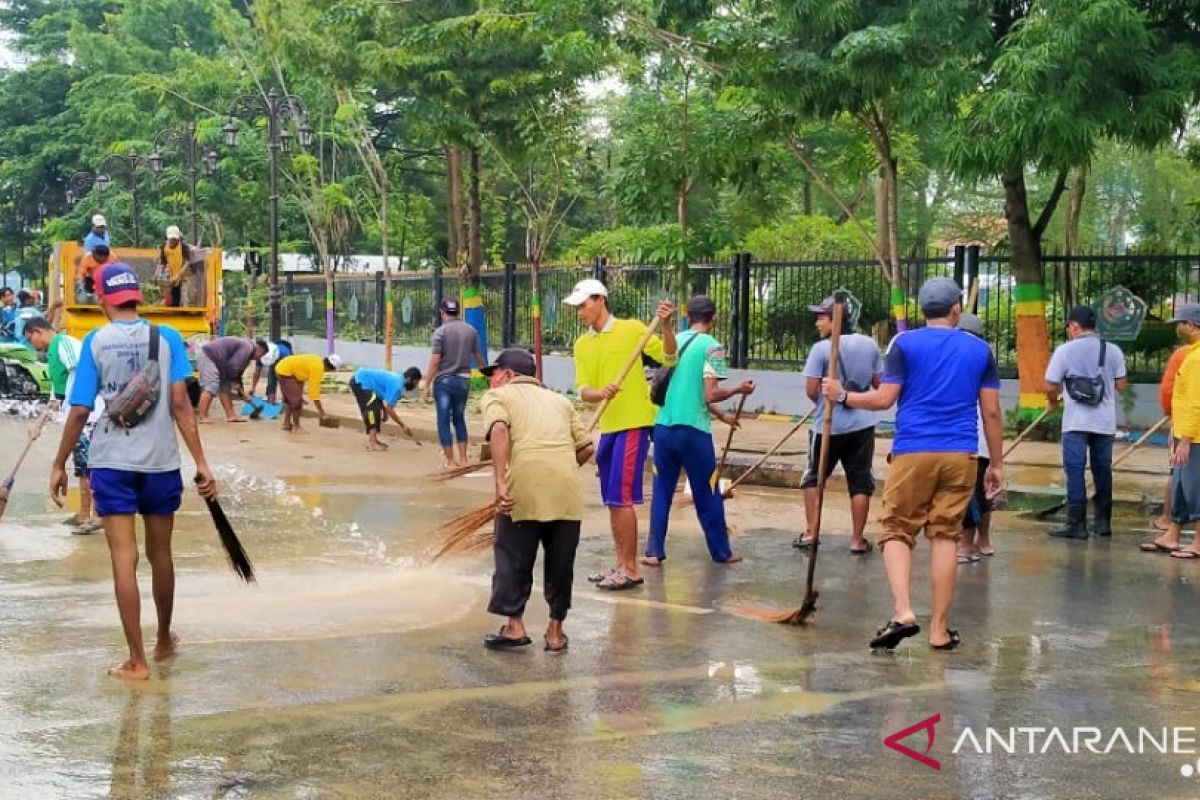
[[118, 284]]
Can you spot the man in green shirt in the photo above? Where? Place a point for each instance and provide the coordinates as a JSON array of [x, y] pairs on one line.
[[683, 436], [62, 355]]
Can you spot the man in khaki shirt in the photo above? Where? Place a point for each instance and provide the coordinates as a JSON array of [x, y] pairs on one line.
[[537, 444]]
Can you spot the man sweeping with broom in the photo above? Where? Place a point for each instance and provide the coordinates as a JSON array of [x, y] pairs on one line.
[[134, 455], [537, 443], [936, 375]]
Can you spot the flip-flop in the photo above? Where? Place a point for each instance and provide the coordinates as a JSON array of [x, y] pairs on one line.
[[865, 551], [892, 633], [93, 525], [566, 641], [955, 641], [619, 582], [1152, 546], [596, 577], [1185, 555], [801, 543], [498, 641], [987, 551], [971, 559]]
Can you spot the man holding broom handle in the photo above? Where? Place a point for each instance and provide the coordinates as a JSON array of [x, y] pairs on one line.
[[936, 375], [600, 355], [134, 470], [537, 443]]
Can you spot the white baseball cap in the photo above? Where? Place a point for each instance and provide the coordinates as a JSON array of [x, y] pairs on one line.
[[336, 361], [585, 289], [271, 356], [173, 232], [98, 221]]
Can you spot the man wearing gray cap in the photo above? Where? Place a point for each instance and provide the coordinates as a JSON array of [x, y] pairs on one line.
[[937, 376], [1185, 427], [1086, 373], [852, 436]]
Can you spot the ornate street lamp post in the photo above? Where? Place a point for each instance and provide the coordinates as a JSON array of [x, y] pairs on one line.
[[278, 109], [184, 140], [80, 182]]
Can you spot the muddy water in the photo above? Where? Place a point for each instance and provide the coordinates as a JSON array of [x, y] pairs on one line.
[[354, 670]]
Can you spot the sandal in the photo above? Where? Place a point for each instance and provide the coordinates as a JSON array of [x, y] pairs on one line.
[[1185, 555], [963, 558], [865, 551], [892, 633], [955, 641], [802, 542], [1151, 546], [501, 641], [565, 641], [596, 577], [93, 525], [987, 551], [619, 582]]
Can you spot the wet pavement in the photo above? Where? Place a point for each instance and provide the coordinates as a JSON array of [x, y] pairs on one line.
[[354, 668]]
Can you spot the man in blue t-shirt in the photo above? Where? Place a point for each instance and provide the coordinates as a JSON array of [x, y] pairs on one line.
[[133, 470], [97, 235], [377, 391], [276, 352], [852, 436], [936, 375]]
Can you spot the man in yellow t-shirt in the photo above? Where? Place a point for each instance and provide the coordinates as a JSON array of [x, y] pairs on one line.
[[1185, 426], [625, 426], [537, 444], [291, 373]]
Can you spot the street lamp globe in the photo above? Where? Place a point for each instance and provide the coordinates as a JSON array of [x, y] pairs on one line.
[[306, 135], [230, 129], [156, 161], [70, 197], [285, 141], [103, 181], [209, 163]]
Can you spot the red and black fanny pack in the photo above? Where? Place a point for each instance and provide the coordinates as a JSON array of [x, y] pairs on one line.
[[137, 398]]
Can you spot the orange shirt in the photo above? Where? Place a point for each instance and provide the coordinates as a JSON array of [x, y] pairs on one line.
[[86, 265], [1169, 374]]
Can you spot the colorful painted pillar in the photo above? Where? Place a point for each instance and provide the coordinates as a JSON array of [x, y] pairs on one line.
[[329, 319], [473, 314], [1033, 347], [899, 309]]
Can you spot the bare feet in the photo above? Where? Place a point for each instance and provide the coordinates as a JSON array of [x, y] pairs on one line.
[[651, 561], [733, 559], [287, 426], [203, 421], [166, 649], [448, 465], [379, 447], [235, 419], [130, 672]]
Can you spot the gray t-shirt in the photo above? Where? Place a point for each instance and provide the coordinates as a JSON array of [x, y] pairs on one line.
[[859, 362], [109, 358], [231, 355], [456, 342], [1081, 358]]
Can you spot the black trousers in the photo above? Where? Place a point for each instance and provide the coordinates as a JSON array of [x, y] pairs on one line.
[[369, 405], [516, 549]]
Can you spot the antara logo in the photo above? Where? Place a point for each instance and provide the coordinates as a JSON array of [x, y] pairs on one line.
[[926, 725]]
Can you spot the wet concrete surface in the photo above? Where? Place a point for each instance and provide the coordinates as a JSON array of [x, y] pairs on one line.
[[354, 668]]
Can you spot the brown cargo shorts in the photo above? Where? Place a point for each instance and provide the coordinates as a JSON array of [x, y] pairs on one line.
[[292, 391], [926, 490]]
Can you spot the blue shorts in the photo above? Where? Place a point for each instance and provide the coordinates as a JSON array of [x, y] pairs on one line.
[[121, 491], [621, 457]]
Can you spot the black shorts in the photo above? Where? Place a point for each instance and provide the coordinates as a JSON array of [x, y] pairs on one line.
[[856, 453], [370, 405], [979, 504]]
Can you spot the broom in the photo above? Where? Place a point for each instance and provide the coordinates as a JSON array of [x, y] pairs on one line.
[[1025, 434], [800, 615], [462, 535], [229, 540], [728, 493], [6, 487], [715, 480], [1045, 512]]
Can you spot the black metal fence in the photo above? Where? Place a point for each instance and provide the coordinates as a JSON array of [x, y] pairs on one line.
[[763, 306]]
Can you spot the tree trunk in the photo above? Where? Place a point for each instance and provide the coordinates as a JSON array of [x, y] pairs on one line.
[[388, 310], [1071, 238], [808, 208], [472, 297], [1033, 335], [454, 211]]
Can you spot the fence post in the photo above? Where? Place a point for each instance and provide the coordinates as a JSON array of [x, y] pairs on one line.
[[379, 307], [973, 274], [437, 290], [509, 327], [959, 264], [742, 294], [599, 271], [289, 291]]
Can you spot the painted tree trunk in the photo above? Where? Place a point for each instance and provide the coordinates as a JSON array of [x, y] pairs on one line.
[[330, 320], [536, 314], [1033, 335]]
